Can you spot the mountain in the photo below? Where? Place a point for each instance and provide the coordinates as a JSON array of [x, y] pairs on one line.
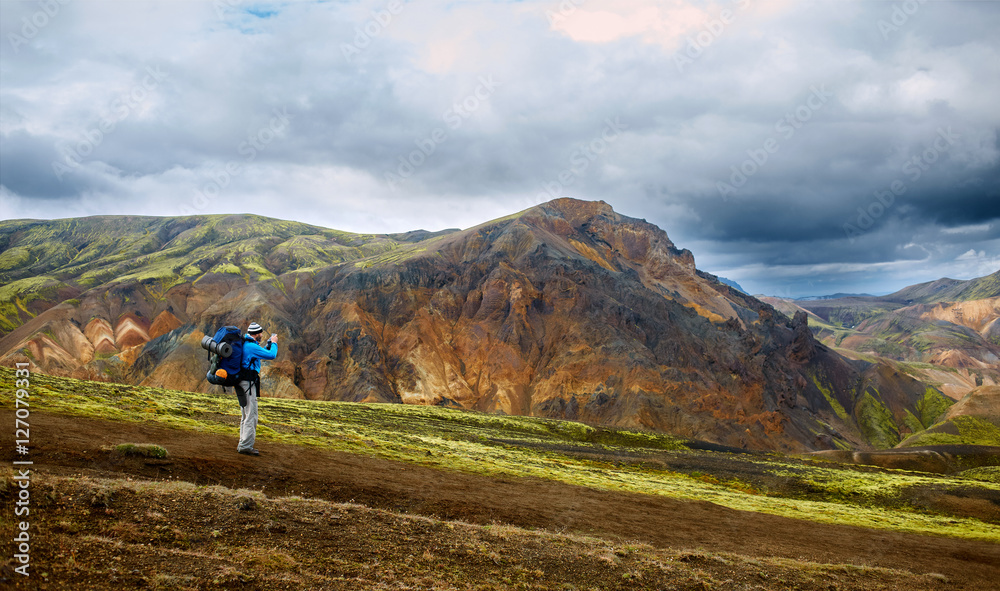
[[948, 290], [852, 310], [973, 420], [565, 310], [835, 296], [944, 332], [732, 284]]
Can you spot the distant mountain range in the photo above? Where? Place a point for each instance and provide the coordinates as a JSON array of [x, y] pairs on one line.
[[941, 290], [566, 310], [835, 296], [944, 332]]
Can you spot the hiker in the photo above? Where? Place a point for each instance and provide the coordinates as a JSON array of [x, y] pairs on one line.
[[253, 354]]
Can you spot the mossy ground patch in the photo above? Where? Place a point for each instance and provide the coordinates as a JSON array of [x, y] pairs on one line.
[[506, 446]]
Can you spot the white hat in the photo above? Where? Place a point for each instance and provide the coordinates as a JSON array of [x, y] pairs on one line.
[[255, 328]]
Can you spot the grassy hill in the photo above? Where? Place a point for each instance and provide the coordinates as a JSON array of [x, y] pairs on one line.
[[572, 453], [974, 420], [43, 259], [130, 486], [43, 262]]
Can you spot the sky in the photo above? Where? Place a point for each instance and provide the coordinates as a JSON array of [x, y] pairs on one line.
[[798, 148]]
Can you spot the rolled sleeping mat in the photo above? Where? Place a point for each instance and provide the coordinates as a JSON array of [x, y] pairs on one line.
[[221, 349]]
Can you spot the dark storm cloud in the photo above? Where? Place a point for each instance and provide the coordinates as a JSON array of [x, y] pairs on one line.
[[27, 167], [445, 114]]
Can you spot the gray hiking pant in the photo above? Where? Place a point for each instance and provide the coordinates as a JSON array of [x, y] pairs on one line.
[[248, 417]]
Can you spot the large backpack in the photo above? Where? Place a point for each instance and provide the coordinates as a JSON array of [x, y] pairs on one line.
[[233, 364]]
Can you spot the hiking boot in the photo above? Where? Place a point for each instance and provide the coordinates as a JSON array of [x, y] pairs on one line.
[[249, 452]]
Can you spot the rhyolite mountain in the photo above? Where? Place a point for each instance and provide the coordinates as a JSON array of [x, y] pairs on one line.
[[566, 310], [944, 332]]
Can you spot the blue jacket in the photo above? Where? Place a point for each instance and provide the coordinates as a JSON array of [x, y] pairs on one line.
[[253, 353]]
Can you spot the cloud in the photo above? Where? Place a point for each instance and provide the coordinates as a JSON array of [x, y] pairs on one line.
[[663, 23], [967, 229], [971, 255], [371, 85]]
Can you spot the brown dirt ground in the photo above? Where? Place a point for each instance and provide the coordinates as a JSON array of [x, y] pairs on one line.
[[97, 534], [64, 445]]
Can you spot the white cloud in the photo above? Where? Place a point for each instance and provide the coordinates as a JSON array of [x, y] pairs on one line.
[[668, 24], [971, 255], [973, 229]]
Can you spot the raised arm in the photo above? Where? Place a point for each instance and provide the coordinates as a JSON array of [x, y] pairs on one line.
[[255, 350]]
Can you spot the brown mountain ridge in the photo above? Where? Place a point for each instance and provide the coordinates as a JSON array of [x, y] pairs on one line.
[[565, 310]]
